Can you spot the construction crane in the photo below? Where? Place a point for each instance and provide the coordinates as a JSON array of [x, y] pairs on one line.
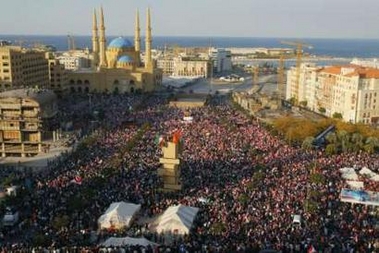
[[280, 84], [256, 75], [299, 55]]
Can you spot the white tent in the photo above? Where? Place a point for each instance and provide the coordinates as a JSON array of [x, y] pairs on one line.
[[176, 219], [371, 175], [349, 174], [122, 241], [357, 185], [118, 215]]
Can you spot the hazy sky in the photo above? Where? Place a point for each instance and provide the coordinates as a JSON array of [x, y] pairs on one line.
[[236, 18]]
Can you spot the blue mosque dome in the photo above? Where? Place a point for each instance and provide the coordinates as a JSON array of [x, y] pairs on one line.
[[120, 42], [125, 59]]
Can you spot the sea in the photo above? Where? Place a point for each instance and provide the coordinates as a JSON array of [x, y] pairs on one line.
[[345, 49]]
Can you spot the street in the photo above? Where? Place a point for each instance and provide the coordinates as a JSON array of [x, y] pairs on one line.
[[205, 86]]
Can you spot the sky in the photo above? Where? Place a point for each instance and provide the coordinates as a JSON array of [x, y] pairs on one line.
[[229, 18]]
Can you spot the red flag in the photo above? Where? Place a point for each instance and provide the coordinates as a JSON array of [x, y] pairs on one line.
[[311, 249], [77, 180], [176, 136]]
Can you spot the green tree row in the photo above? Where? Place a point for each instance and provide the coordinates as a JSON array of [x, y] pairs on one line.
[[348, 137]]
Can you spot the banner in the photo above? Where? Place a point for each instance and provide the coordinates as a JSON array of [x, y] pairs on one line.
[[360, 197]]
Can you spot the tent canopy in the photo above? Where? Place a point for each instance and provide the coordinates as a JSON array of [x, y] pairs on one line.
[[122, 241], [176, 219], [371, 175], [118, 215], [349, 174]]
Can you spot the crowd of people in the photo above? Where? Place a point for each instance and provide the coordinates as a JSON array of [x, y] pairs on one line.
[[247, 183]]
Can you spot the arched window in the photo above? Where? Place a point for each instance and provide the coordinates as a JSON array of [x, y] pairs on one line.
[[72, 81], [116, 82], [131, 82], [80, 89], [72, 89], [86, 89], [132, 90], [86, 82], [79, 81]]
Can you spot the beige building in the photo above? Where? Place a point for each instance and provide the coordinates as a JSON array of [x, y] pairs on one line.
[[301, 93], [58, 76], [20, 67], [117, 67], [191, 66], [349, 91], [24, 120]]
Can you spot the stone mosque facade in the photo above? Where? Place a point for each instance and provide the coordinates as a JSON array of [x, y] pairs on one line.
[[118, 66]]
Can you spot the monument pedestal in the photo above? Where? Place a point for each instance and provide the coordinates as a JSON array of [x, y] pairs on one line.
[[170, 171]]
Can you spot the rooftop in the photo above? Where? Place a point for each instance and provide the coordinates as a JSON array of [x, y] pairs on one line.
[[362, 72], [42, 96], [120, 42]]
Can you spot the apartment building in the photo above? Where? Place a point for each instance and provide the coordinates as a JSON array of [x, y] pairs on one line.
[[20, 67], [58, 77], [350, 91], [24, 120]]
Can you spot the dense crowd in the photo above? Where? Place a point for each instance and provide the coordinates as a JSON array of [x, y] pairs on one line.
[[223, 152]]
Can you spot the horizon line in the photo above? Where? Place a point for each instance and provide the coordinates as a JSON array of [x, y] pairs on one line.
[[201, 36]]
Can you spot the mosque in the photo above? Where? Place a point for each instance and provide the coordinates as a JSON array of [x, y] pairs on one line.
[[117, 67]]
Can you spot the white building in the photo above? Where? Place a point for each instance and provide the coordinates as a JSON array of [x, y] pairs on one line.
[[222, 60], [304, 91], [75, 59], [373, 63]]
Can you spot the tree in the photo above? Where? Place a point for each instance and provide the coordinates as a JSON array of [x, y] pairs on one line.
[[317, 178], [343, 138], [371, 144], [292, 100], [218, 228], [243, 199], [356, 141], [337, 115], [303, 103], [331, 138], [61, 222], [322, 110], [311, 206], [308, 143], [331, 149]]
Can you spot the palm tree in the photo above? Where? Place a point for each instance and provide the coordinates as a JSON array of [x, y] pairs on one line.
[[308, 143], [357, 141], [331, 149], [371, 144], [343, 138], [331, 138]]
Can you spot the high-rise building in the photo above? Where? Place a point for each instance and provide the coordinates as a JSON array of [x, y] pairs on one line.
[[222, 60], [20, 67]]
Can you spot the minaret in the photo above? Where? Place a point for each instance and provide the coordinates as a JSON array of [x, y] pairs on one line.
[[95, 41], [148, 62], [103, 57], [137, 38]]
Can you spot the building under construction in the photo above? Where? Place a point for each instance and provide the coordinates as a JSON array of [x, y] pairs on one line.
[[25, 119]]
